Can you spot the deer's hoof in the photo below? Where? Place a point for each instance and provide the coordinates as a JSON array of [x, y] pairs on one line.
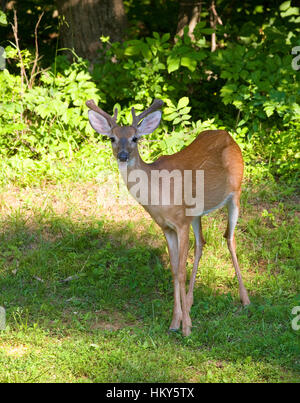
[[186, 331], [246, 301]]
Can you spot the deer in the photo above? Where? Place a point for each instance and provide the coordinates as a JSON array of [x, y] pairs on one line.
[[213, 152]]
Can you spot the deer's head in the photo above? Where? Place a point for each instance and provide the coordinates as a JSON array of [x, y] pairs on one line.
[[124, 139]]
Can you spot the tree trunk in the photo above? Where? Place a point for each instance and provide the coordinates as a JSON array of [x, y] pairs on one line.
[[86, 20], [3, 5], [189, 15]]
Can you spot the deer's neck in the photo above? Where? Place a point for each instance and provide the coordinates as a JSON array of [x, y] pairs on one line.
[[134, 163]]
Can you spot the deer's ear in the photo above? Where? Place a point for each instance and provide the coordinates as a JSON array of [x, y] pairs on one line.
[[149, 124], [99, 123]]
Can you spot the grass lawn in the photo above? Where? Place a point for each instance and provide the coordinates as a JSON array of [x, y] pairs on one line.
[[88, 290]]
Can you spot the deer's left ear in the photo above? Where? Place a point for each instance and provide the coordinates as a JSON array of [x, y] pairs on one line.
[[149, 124]]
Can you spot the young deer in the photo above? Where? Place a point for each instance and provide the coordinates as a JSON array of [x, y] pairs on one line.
[[214, 153]]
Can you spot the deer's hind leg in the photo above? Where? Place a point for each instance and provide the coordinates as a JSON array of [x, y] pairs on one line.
[[233, 206], [199, 243]]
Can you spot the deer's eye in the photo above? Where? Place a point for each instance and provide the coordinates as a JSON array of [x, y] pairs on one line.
[[134, 139], [112, 139]]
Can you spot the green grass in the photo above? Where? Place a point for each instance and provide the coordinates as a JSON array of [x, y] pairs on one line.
[[88, 290]]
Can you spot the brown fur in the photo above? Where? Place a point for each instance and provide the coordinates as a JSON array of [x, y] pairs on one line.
[[217, 154]]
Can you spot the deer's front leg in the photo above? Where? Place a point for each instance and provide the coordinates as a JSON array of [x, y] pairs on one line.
[[183, 246], [172, 241]]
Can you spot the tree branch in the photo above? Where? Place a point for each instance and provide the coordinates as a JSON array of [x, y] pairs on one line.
[[214, 20], [32, 75], [22, 68]]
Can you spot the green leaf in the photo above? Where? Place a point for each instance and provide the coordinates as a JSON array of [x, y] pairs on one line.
[[171, 116], [284, 6], [173, 63], [11, 52], [146, 52], [290, 11], [132, 50], [3, 19], [169, 110], [183, 102], [207, 31], [177, 120], [201, 24], [188, 62], [185, 110], [269, 109], [83, 76], [228, 89], [165, 37], [104, 39]]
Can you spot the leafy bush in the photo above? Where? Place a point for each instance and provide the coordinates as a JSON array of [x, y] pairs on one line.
[[49, 117], [247, 87], [260, 81], [262, 85], [154, 67]]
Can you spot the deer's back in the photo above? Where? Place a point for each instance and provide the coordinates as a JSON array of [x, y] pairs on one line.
[[217, 154]]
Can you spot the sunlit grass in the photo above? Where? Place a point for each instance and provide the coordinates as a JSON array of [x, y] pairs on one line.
[[88, 290]]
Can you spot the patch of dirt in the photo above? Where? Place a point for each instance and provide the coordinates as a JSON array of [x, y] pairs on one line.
[[111, 321], [15, 351]]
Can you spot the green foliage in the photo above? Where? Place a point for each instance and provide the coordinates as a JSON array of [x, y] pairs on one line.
[[261, 83], [49, 117], [178, 114], [143, 69], [247, 87]]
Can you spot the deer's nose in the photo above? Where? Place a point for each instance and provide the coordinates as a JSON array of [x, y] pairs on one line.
[[123, 156]]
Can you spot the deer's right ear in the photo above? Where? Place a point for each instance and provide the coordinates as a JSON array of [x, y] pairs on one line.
[[99, 123]]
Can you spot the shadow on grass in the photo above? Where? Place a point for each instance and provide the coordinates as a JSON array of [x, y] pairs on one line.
[[93, 275], [56, 264]]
